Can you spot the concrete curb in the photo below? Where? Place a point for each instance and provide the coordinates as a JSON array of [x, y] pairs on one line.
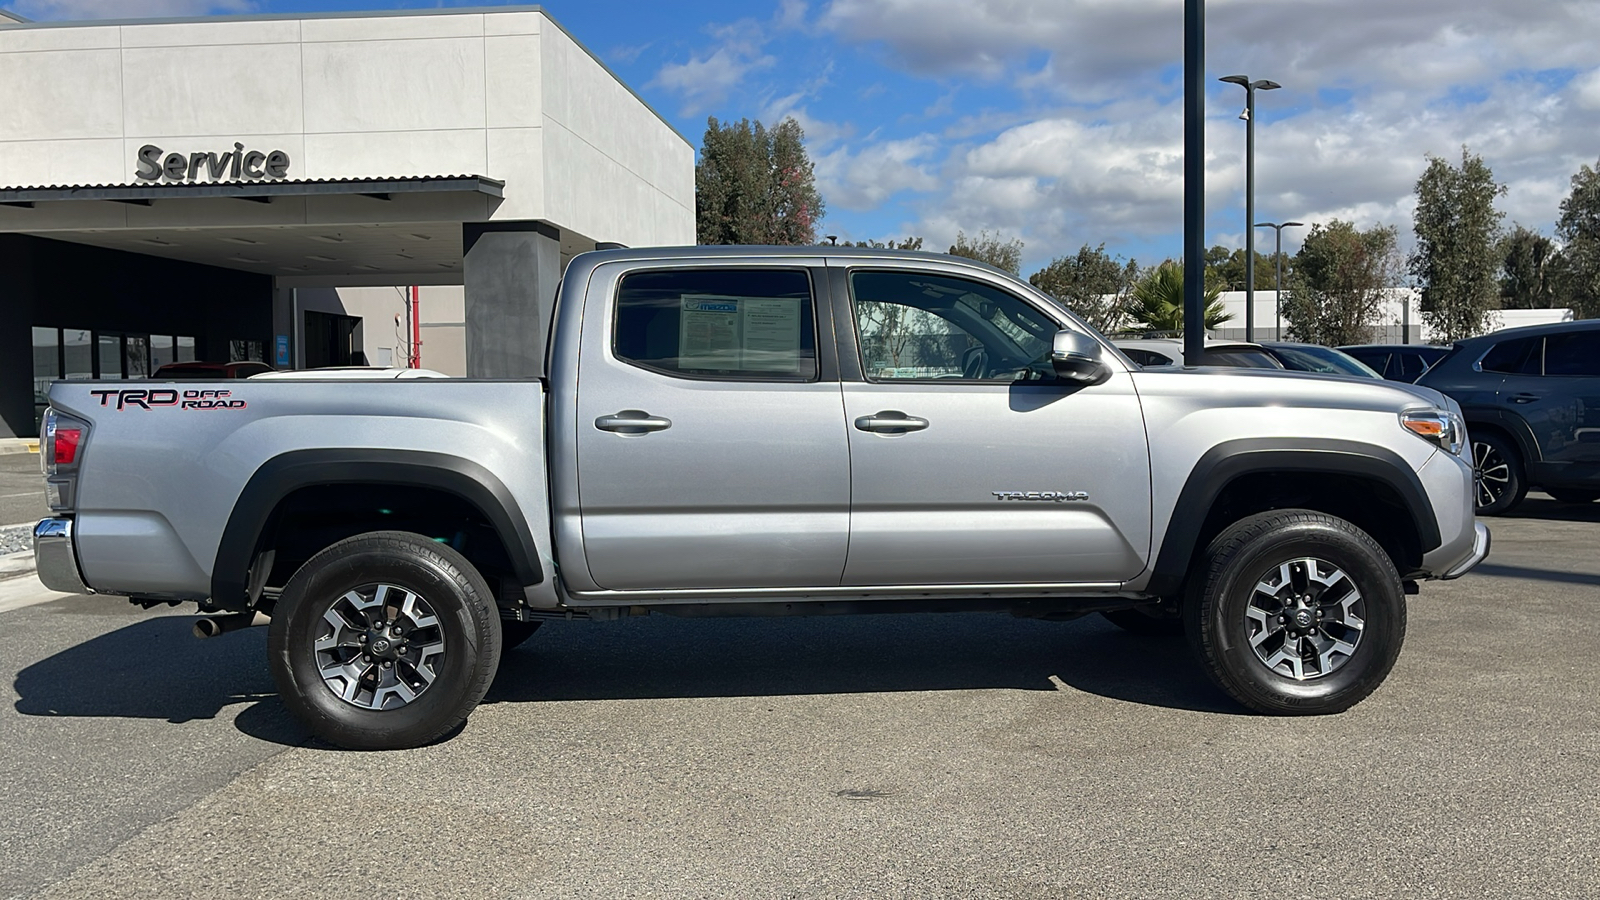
[[26, 590], [15, 565], [19, 445]]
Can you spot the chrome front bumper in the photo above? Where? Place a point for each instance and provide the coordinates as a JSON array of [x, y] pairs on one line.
[[55, 557], [1480, 549]]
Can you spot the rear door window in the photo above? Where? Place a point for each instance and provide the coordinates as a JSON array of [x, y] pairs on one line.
[[718, 324], [1522, 356], [1573, 353], [1412, 365], [1378, 360]]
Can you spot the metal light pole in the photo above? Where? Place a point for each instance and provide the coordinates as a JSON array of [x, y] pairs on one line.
[[1194, 181], [1249, 117], [1277, 258]]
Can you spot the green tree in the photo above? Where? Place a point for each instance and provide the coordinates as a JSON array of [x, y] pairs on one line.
[[1158, 300], [1006, 255], [1531, 268], [755, 186], [1226, 267], [910, 243], [1579, 228], [1341, 276], [1092, 284], [1455, 261]]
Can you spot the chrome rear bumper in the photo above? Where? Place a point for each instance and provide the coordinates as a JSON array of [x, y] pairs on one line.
[[1480, 549], [55, 557]]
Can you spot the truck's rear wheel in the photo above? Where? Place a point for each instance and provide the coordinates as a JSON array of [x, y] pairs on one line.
[[1296, 612], [384, 641]]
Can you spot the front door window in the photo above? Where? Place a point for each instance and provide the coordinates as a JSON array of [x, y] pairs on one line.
[[959, 421]]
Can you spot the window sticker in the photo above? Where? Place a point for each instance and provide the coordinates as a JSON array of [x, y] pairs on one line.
[[757, 334]]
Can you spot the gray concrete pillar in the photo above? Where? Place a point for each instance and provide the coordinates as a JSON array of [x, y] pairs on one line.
[[510, 270]]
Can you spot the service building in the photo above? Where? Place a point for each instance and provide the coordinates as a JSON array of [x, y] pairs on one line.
[[309, 190]]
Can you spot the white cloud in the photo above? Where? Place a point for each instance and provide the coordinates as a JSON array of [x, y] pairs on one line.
[[706, 80], [1586, 89], [865, 178], [72, 10], [1102, 48]]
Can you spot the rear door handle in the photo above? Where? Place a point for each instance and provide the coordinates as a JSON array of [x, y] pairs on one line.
[[891, 421], [1523, 398], [632, 421]]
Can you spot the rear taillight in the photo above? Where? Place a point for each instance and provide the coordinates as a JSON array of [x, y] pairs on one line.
[[60, 451], [64, 449]]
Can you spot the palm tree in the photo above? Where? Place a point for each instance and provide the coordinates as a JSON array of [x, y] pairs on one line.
[[1158, 300]]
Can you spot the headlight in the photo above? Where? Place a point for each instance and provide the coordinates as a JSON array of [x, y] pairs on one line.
[[1440, 427]]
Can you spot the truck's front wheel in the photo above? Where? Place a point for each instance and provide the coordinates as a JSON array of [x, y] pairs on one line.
[[1295, 612], [384, 641]]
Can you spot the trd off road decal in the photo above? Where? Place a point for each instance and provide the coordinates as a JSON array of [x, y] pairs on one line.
[[150, 398]]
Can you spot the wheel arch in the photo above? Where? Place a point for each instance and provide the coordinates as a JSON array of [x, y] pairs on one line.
[[255, 513], [1256, 475], [1514, 428]]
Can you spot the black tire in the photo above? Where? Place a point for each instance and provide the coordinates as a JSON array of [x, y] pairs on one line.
[[1137, 621], [1499, 483], [465, 634], [1224, 595], [514, 633], [1573, 495]]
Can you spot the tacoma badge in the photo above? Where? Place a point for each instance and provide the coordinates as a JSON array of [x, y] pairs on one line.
[[1052, 496]]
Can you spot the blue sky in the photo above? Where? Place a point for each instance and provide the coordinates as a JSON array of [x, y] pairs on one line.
[[1058, 121]]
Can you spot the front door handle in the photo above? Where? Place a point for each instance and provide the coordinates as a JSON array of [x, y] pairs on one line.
[[891, 421], [632, 421], [1523, 398]]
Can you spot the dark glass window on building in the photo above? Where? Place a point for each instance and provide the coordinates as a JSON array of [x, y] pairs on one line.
[[729, 324]]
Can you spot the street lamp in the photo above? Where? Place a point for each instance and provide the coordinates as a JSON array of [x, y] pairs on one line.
[[1249, 117], [1277, 257]]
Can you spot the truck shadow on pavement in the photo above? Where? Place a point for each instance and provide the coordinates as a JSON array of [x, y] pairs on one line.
[[156, 669], [662, 656]]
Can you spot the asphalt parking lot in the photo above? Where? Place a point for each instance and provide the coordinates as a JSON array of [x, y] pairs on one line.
[[918, 756], [21, 489]]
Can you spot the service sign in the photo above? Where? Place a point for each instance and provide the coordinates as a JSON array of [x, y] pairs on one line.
[[238, 164]]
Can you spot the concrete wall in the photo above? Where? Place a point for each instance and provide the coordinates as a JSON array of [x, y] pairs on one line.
[[506, 94], [442, 318]]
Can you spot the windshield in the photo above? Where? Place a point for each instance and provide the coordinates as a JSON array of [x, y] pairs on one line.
[[1326, 360], [1240, 358]]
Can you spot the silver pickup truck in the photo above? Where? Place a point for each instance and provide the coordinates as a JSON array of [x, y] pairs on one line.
[[760, 431]]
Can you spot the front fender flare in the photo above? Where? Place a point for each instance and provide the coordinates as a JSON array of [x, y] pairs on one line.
[[1228, 461]]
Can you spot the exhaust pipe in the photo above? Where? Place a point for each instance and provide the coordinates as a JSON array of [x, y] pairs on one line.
[[211, 626]]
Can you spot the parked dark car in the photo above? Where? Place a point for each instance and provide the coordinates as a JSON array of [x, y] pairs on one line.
[[1531, 397], [211, 370], [1398, 362], [1319, 359]]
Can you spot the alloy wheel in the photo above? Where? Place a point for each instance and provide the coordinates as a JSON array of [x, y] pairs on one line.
[[1305, 619], [1491, 473], [380, 647]]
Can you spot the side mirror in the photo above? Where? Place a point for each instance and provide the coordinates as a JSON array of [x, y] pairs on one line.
[[1076, 358]]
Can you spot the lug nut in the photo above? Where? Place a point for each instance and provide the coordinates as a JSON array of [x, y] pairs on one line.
[[362, 639]]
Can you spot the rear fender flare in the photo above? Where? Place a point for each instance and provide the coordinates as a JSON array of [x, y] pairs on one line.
[[282, 475]]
